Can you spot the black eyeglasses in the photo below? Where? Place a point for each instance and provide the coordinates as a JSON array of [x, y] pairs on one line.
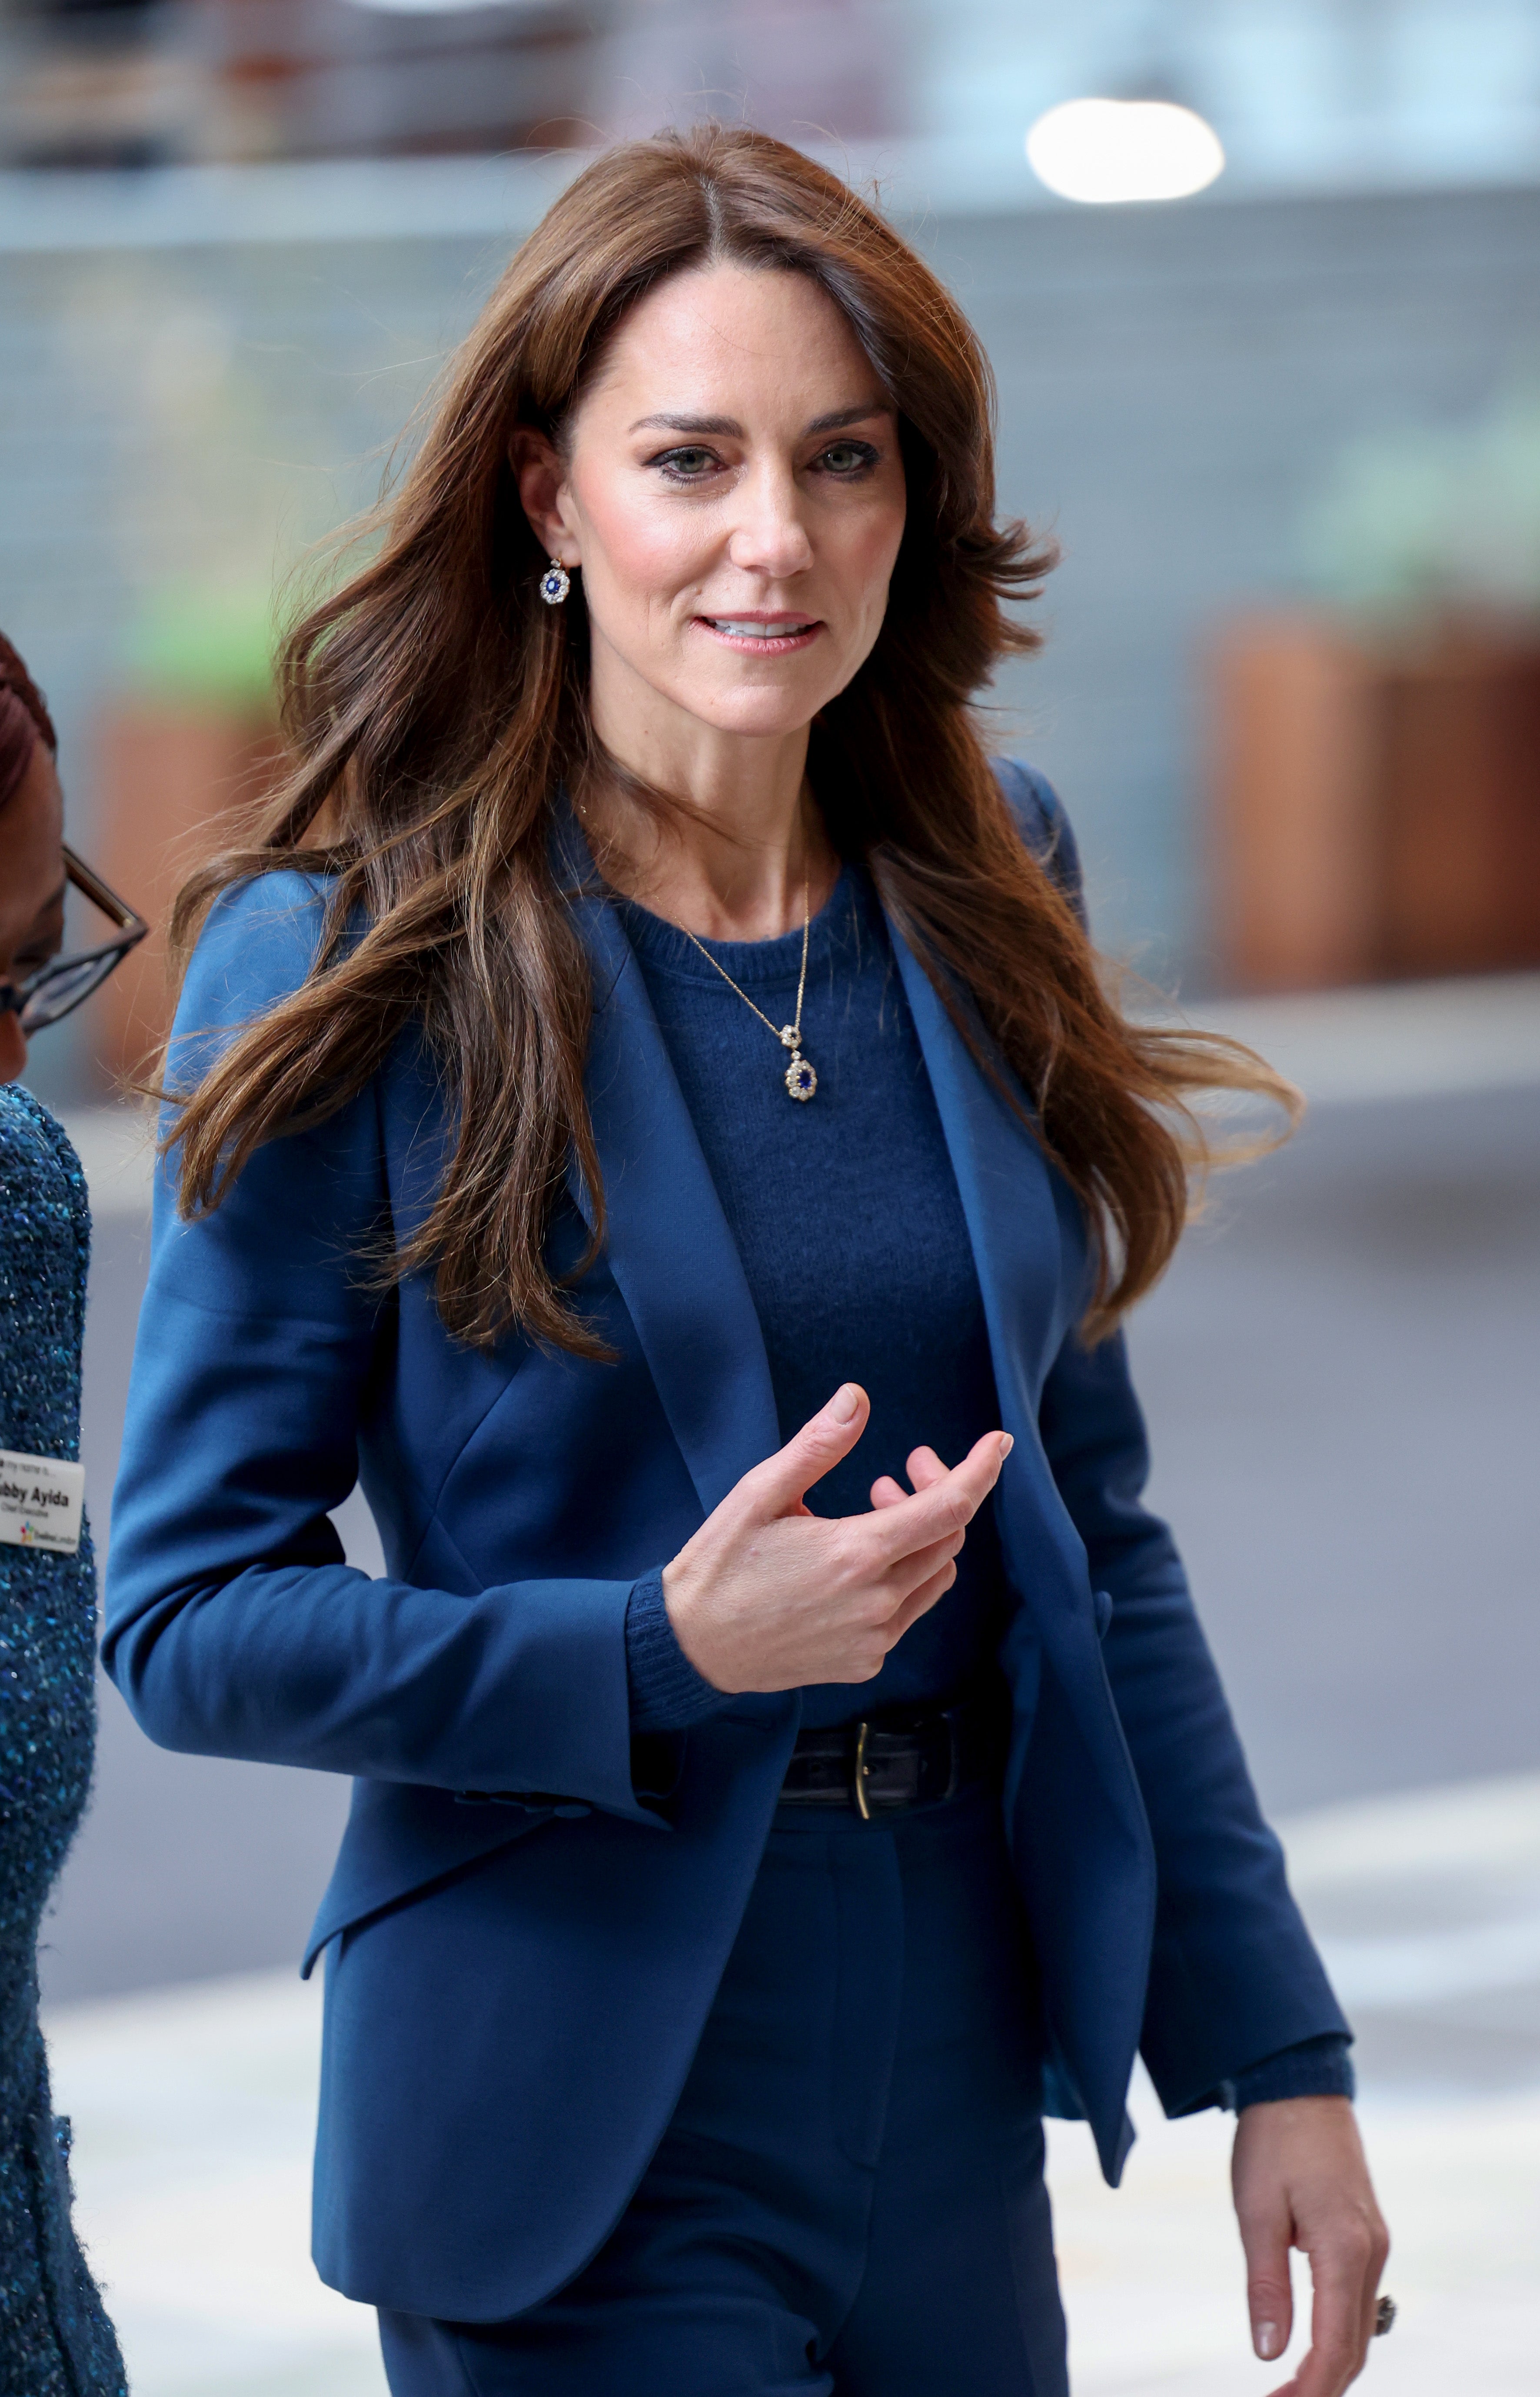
[[59, 986]]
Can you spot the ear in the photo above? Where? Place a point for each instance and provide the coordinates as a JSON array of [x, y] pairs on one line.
[[541, 480]]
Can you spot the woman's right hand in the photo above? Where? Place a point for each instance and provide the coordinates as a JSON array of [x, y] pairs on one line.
[[768, 1596]]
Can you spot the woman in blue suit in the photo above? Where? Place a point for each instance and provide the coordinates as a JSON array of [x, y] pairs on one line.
[[646, 1107]]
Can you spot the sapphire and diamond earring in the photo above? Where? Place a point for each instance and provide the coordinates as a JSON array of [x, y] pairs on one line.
[[555, 584]]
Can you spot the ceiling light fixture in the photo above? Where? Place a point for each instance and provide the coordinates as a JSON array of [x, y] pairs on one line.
[[1100, 151], [440, 8]]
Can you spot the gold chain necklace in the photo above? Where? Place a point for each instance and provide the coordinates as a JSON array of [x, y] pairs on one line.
[[800, 1080]]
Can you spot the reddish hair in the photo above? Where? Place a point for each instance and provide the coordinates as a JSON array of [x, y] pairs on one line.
[[433, 705], [24, 720]]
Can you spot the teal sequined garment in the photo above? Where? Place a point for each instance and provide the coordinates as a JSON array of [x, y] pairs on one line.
[[55, 2337]]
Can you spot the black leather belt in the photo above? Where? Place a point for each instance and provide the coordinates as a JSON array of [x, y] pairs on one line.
[[890, 1762]]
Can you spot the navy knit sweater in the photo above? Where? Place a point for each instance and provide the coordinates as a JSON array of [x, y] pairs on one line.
[[855, 1275], [846, 1216]]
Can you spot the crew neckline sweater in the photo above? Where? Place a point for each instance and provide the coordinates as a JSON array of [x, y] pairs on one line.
[[845, 1212]]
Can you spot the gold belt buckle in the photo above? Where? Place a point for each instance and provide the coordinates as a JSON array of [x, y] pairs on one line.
[[859, 1777]]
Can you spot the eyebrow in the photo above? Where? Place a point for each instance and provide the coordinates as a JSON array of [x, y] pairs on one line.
[[729, 428]]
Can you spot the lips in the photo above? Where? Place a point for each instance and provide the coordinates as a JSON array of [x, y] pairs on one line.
[[761, 628], [762, 636]]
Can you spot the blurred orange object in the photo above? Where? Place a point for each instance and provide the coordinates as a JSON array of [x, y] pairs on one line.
[[1375, 802], [168, 775]]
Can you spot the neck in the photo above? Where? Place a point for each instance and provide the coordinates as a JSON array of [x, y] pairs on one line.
[[741, 853]]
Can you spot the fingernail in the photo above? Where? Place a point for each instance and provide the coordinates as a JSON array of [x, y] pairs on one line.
[[1007, 1444], [1268, 2341], [844, 1403]]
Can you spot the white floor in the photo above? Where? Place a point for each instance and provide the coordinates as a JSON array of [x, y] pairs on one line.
[[193, 2112], [1153, 2278]]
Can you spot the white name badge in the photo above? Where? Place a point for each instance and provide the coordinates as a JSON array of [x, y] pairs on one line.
[[42, 1501]]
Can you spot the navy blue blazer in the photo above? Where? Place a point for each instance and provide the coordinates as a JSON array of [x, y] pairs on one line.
[[514, 1986]]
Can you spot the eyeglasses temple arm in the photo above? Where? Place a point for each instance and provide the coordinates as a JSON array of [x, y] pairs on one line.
[[88, 882]]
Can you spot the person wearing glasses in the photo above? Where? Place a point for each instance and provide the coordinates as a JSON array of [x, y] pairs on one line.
[[55, 2337]]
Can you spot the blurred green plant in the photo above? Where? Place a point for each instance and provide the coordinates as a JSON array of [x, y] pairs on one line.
[[1415, 521], [211, 646]]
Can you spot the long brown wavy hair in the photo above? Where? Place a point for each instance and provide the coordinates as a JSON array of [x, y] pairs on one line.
[[433, 706]]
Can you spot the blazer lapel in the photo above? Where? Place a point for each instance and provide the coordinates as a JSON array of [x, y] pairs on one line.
[[1030, 1275], [666, 1239], [678, 1269]]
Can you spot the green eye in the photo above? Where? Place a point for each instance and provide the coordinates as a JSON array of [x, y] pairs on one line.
[[688, 463], [848, 457]]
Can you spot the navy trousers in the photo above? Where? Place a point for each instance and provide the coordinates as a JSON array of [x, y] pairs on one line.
[[848, 2201]]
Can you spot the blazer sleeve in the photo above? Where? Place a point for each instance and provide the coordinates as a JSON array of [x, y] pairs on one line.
[[1234, 1973], [233, 1625]]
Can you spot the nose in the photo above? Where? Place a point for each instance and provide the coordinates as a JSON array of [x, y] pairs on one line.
[[769, 537]]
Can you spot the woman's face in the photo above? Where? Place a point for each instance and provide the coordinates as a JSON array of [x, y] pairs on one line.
[[32, 890], [733, 493]]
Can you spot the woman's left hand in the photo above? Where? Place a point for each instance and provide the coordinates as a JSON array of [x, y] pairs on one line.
[[1300, 2180]]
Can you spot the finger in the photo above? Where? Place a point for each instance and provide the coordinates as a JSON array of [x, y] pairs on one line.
[[920, 1601], [925, 1467], [948, 1505], [1266, 2228], [1345, 2263], [901, 1580], [1379, 2256], [777, 1486], [1338, 2340], [1368, 2326]]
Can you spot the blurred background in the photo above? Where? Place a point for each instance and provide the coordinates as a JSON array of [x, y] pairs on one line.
[[1261, 284]]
